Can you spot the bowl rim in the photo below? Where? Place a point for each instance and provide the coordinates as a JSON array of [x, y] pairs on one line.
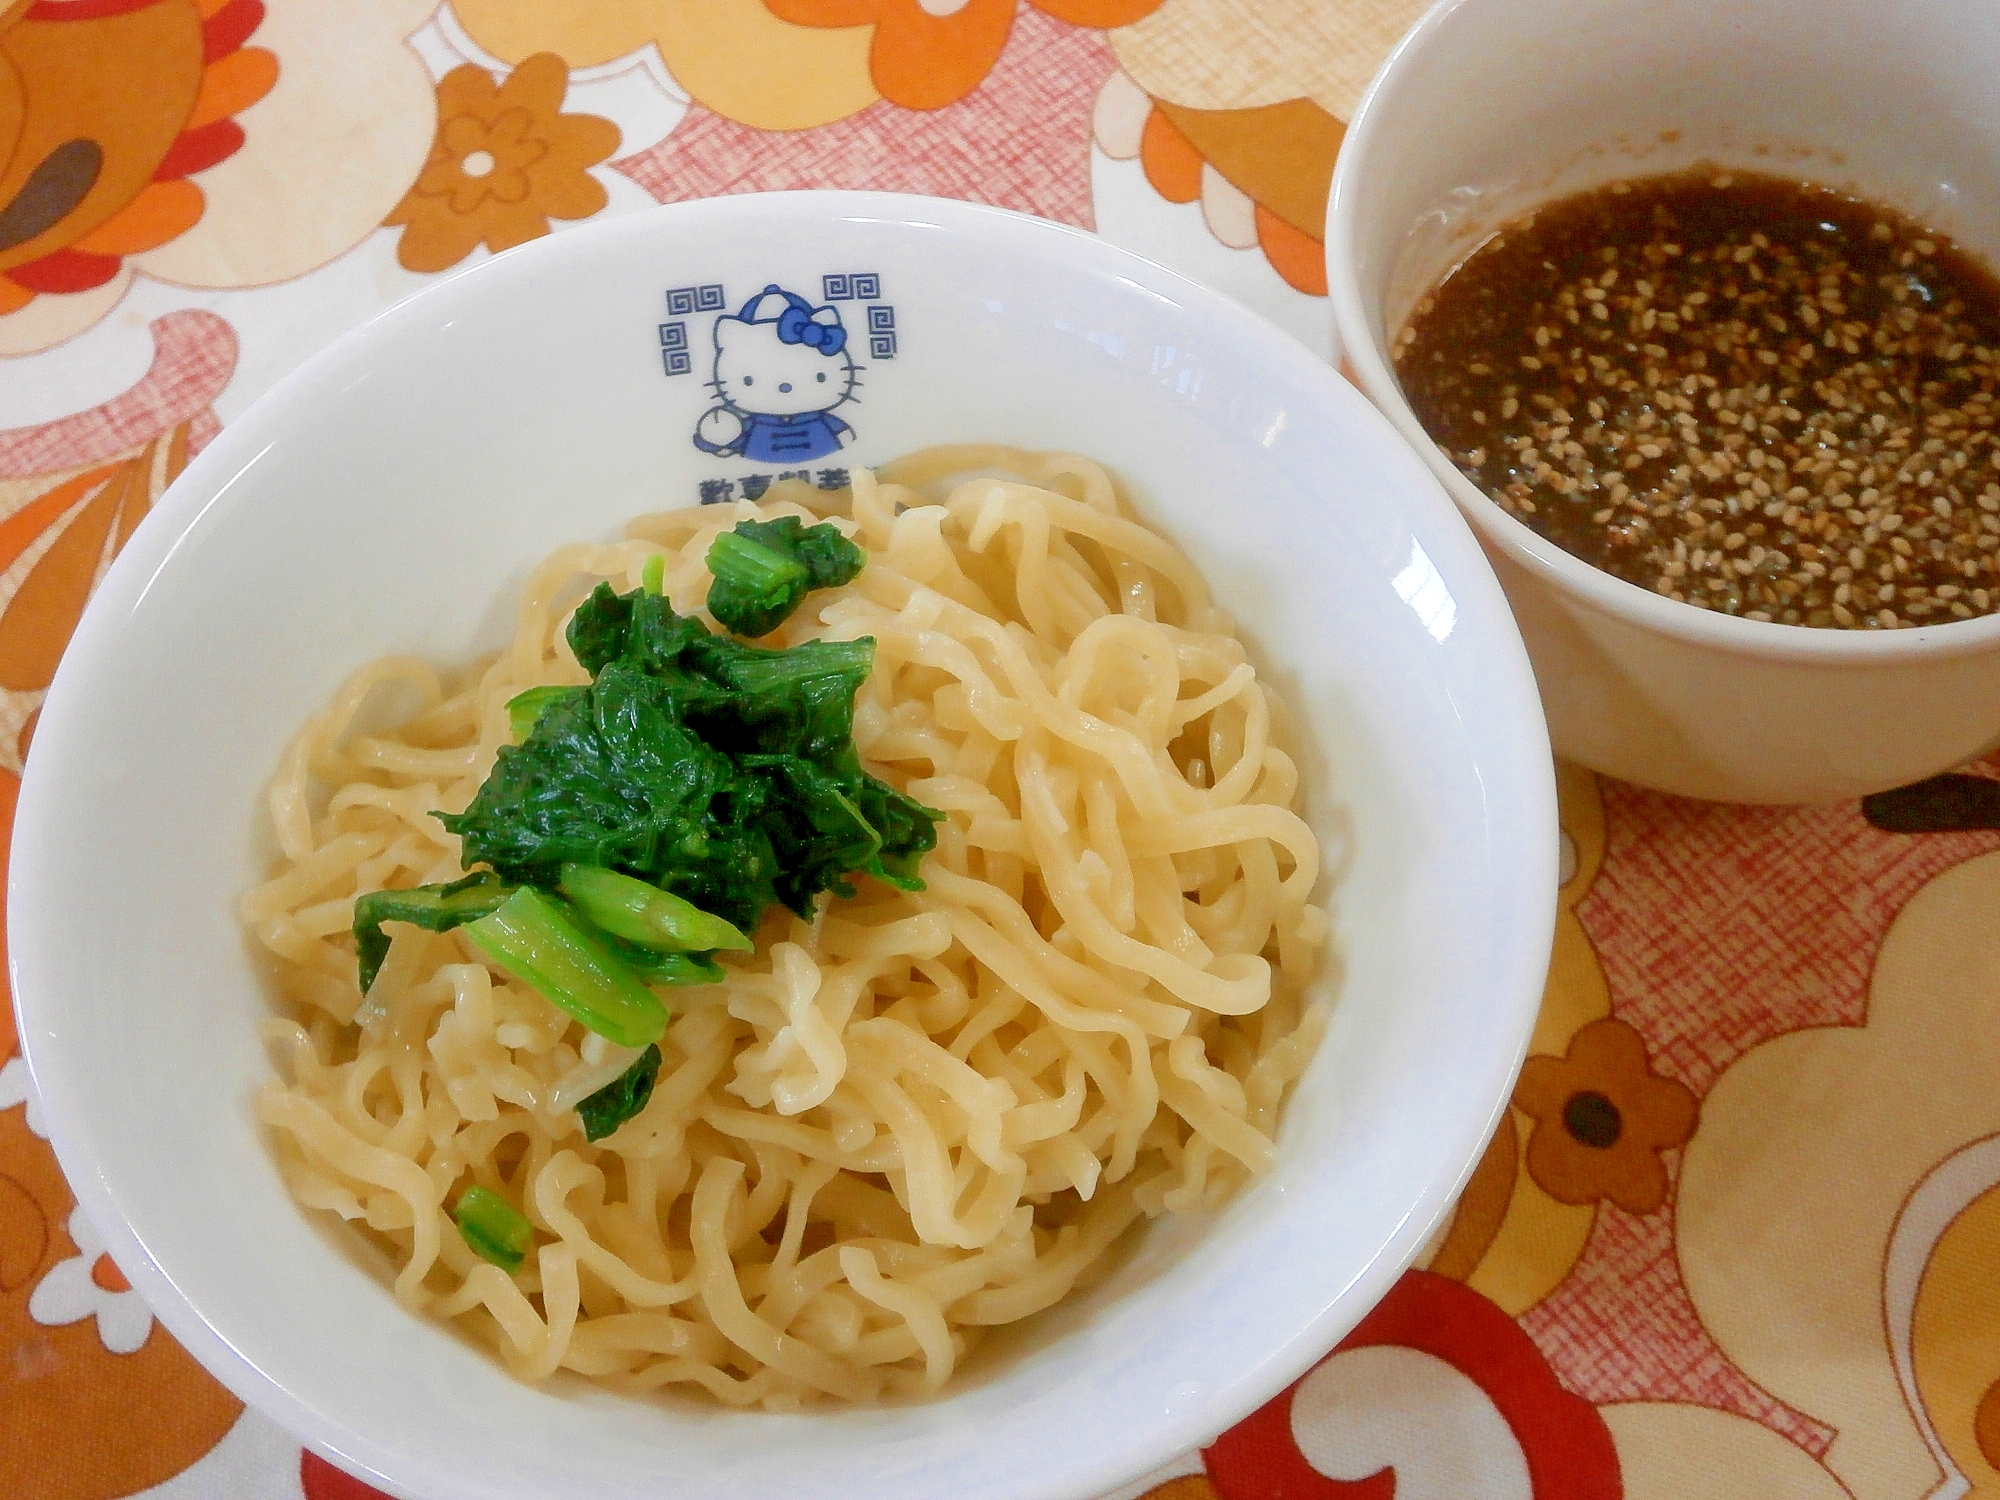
[[1575, 581], [1525, 813]]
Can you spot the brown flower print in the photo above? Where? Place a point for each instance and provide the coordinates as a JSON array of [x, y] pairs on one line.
[[1986, 1425], [505, 161], [1602, 1117]]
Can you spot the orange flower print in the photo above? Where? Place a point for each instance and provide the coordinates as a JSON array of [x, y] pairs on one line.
[[106, 110], [505, 161], [930, 53], [1602, 1117]]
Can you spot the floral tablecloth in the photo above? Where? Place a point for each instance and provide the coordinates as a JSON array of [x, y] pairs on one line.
[[1738, 1235]]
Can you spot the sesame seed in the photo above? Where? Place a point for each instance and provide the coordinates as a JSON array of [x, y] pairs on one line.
[[1768, 418]]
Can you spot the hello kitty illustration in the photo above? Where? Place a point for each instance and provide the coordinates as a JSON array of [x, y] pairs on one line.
[[781, 367]]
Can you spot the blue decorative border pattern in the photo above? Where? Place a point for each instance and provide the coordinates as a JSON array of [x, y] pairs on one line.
[[683, 301], [674, 352], [851, 286], [882, 331]]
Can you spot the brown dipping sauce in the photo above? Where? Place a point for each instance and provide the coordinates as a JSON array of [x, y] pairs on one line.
[[1746, 393]]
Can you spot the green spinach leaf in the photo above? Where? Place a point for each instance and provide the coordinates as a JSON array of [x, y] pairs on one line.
[[764, 570], [622, 1098]]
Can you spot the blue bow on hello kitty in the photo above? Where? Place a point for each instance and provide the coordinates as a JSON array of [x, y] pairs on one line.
[[796, 326]]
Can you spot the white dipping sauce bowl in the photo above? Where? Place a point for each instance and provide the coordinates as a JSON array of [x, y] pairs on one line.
[[1490, 107], [392, 494]]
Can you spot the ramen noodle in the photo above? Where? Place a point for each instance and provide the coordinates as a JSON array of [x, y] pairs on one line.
[[919, 1115]]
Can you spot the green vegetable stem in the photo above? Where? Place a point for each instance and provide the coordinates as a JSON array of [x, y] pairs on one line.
[[764, 570], [493, 1227], [654, 967], [530, 937], [645, 914]]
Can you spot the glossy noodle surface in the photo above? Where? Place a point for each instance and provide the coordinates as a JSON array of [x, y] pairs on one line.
[[922, 1114]]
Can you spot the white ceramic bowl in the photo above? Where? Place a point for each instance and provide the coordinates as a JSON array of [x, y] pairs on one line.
[[1489, 107], [390, 496]]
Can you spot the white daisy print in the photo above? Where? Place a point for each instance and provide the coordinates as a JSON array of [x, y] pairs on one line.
[[90, 1285]]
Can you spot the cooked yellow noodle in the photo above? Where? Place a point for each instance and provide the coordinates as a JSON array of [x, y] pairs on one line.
[[918, 1116]]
